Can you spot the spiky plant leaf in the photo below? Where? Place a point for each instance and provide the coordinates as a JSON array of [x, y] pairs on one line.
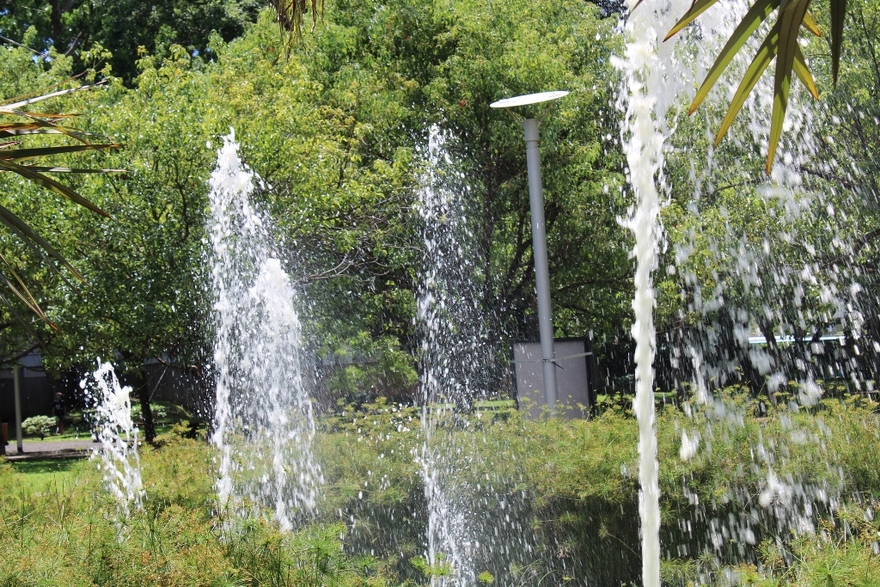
[[810, 24], [838, 15], [757, 14], [761, 61], [803, 73], [696, 9], [50, 184], [790, 19], [13, 159], [17, 155], [781, 43], [21, 228], [20, 289]]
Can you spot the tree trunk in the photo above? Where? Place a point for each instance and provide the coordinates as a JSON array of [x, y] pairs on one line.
[[147, 414], [57, 26]]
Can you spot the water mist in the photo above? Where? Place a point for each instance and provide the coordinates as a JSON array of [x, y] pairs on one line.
[[118, 436], [263, 420]]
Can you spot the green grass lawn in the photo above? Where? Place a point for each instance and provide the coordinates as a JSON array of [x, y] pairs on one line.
[[42, 476]]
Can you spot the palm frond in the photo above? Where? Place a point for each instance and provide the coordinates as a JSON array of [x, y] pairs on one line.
[[780, 43], [16, 159]]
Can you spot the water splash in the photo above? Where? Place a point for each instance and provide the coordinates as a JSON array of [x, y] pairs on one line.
[[450, 355], [263, 420], [649, 88], [115, 430], [758, 283]]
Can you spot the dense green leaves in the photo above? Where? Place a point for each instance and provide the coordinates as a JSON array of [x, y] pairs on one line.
[[75, 27]]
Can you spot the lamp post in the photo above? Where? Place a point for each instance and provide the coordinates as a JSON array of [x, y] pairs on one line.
[[539, 237], [16, 387]]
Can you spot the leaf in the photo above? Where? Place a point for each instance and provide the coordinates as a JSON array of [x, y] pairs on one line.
[[782, 41], [696, 9], [12, 129], [24, 294], [50, 184], [79, 135], [291, 13], [760, 62], [20, 154], [757, 14], [13, 107], [790, 19], [10, 156], [73, 170], [810, 24], [838, 15], [803, 73], [30, 236]]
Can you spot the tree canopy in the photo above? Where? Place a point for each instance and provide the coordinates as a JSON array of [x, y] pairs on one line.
[[337, 133]]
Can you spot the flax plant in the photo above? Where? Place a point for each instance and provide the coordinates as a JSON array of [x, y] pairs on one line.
[[781, 43], [19, 124]]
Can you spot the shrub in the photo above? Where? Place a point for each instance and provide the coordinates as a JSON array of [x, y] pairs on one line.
[[38, 426]]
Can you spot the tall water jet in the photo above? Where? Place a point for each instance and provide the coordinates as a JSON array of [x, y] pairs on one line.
[[115, 430], [450, 354], [263, 419], [758, 282], [650, 88]]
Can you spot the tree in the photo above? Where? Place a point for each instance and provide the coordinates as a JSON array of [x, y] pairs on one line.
[[123, 27], [336, 135]]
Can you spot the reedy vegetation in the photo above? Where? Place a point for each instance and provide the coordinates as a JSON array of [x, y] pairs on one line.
[[581, 485]]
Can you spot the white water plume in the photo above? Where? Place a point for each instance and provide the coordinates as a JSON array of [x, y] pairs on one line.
[[651, 84], [113, 426], [760, 277], [450, 355], [263, 421]]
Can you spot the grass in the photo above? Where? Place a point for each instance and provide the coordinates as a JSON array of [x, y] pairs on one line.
[[572, 483], [39, 476]]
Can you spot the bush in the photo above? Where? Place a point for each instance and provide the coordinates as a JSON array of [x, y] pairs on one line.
[[39, 426]]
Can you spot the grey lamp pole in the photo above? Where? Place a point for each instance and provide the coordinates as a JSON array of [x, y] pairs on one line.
[[539, 238], [16, 387]]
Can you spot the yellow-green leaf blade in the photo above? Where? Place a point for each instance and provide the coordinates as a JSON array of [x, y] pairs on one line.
[[696, 9], [803, 73], [790, 19], [838, 15], [18, 226], [50, 184], [810, 24], [756, 68], [21, 154], [757, 14]]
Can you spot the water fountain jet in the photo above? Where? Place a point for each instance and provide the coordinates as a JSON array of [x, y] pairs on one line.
[[263, 420]]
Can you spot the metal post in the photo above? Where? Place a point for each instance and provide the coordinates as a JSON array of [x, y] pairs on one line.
[[542, 271], [16, 378]]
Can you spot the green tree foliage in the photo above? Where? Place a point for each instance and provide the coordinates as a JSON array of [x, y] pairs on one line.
[[336, 135], [442, 66], [123, 26]]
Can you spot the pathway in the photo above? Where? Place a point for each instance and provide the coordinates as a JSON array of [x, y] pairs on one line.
[[62, 449]]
